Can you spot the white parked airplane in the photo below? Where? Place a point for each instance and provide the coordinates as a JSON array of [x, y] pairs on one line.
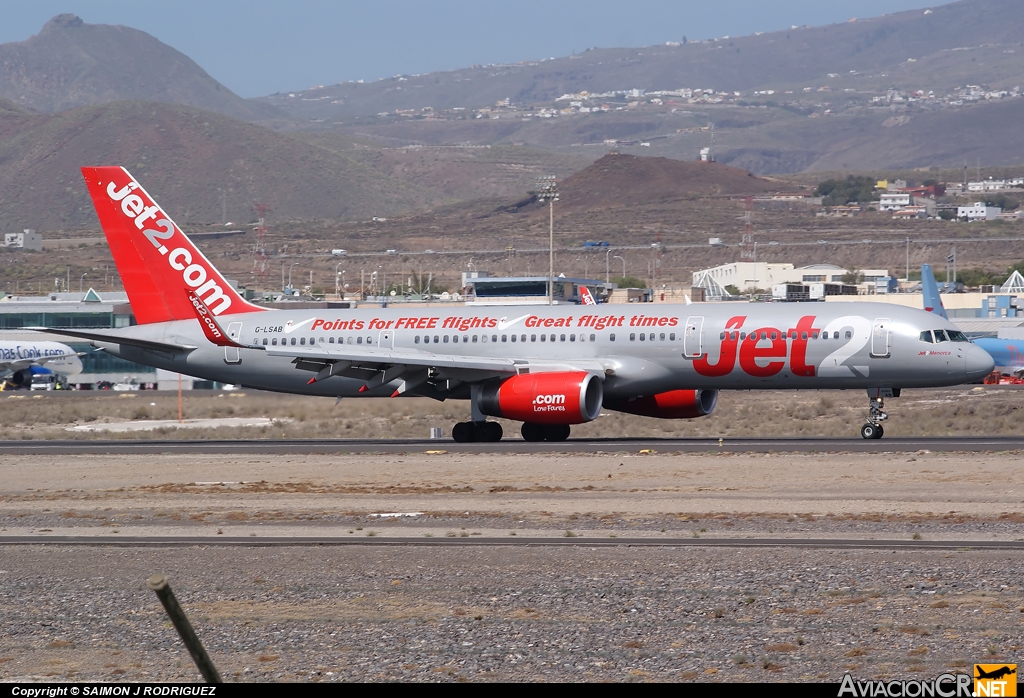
[[19, 361], [548, 367]]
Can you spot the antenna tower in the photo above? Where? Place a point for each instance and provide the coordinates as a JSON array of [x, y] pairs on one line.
[[259, 252], [749, 251]]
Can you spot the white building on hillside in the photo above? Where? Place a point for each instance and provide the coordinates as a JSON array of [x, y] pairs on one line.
[[978, 211], [27, 240], [893, 201]]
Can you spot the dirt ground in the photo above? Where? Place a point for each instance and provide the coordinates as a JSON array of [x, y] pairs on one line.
[[959, 411]]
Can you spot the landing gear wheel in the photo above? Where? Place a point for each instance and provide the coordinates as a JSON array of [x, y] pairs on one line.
[[463, 432], [556, 432], [532, 432], [488, 431], [872, 431]]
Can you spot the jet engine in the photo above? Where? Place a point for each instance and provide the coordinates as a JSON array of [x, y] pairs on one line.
[[20, 378], [569, 397], [674, 404]]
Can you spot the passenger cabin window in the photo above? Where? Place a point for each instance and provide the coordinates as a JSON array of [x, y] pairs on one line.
[[416, 339], [593, 338], [611, 337], [849, 334], [293, 341], [632, 337], [359, 340]]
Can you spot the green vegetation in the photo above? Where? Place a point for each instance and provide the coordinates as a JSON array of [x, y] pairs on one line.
[[981, 277], [853, 189], [1002, 201], [853, 277], [629, 282]]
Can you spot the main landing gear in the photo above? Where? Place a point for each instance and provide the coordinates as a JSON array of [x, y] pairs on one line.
[[465, 432], [872, 429], [545, 432]]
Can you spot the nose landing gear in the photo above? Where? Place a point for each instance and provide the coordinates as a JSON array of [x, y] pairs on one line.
[[872, 429]]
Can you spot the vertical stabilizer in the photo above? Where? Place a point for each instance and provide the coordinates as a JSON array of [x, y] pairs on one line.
[[930, 291], [153, 256]]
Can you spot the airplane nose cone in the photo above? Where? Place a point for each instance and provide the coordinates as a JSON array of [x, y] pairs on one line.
[[978, 363]]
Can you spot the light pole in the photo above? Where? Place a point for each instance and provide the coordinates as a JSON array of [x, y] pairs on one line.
[[623, 265], [294, 264], [607, 273], [336, 277], [548, 191], [81, 281]]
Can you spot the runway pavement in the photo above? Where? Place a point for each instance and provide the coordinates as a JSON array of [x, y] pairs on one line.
[[518, 542], [696, 445]]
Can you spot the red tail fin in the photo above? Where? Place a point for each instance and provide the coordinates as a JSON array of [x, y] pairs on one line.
[[152, 255]]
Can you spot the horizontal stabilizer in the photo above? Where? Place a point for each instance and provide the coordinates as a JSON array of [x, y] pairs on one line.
[[150, 344]]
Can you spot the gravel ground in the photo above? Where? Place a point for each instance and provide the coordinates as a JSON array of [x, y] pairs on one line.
[[513, 613], [566, 614]]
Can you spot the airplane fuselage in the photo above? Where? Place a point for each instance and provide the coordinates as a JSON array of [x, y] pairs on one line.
[[640, 348]]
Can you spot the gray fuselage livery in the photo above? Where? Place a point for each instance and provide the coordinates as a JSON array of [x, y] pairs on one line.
[[547, 366]]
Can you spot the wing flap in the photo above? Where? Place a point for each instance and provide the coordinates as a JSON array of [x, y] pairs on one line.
[[378, 357]]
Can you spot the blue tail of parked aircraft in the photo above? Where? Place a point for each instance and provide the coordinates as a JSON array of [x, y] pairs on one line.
[[930, 290]]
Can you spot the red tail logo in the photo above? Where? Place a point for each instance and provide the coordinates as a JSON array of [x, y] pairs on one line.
[[153, 255], [586, 297], [211, 328]]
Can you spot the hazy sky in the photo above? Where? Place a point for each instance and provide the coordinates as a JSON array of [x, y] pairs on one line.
[[256, 48]]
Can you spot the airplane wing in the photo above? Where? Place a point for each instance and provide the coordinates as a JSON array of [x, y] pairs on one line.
[[150, 344], [380, 366]]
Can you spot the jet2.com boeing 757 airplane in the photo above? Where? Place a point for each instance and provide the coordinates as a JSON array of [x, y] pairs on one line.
[[548, 367]]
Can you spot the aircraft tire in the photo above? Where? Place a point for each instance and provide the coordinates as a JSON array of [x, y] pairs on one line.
[[556, 432], [463, 432], [532, 432], [489, 431], [871, 431]]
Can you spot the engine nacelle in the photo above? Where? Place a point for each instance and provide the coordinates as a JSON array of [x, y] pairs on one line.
[[20, 378], [545, 398], [674, 404]]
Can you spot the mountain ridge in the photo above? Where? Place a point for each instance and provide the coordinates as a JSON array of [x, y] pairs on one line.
[[70, 64]]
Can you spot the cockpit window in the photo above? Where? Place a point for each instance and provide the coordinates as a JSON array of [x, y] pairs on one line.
[[926, 336], [940, 336], [957, 336]]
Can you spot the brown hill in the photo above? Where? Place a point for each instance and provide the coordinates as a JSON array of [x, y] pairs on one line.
[[876, 47], [627, 180], [198, 164], [71, 64]]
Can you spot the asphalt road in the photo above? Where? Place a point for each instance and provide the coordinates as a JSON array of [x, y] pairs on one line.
[[287, 446], [518, 542]]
